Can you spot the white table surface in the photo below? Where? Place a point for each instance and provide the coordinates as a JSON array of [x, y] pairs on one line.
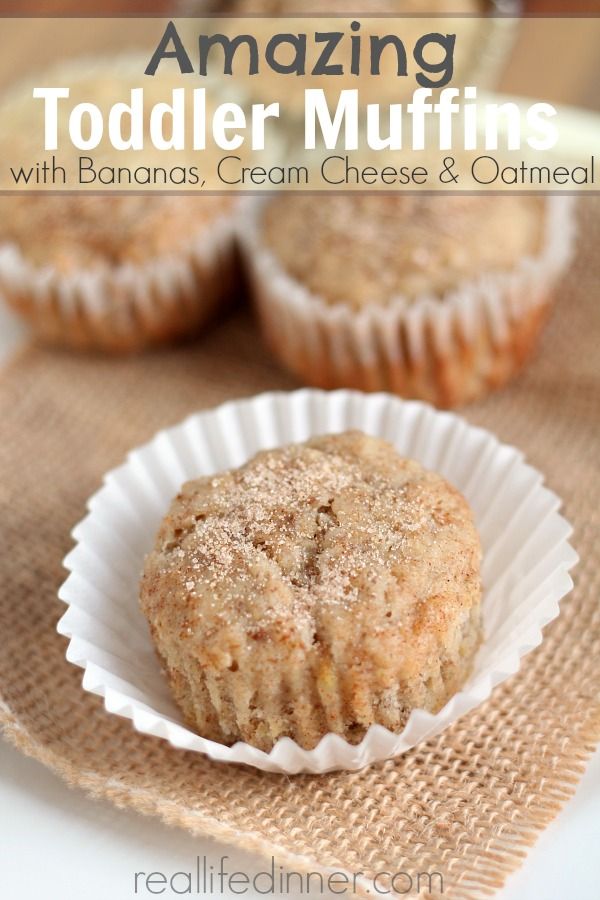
[[57, 844]]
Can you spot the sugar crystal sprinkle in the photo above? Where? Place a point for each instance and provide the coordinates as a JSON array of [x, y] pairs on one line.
[[321, 586]]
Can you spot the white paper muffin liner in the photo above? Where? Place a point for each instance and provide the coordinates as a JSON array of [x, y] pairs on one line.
[[525, 570], [446, 350], [129, 306]]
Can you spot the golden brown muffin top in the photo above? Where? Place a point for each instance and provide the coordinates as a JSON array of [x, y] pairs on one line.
[[310, 549], [80, 231], [359, 250]]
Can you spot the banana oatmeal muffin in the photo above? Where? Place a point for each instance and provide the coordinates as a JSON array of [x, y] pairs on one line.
[[117, 272], [321, 587], [430, 296]]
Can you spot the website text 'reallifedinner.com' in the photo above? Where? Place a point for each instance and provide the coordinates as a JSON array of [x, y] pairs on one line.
[[211, 879]]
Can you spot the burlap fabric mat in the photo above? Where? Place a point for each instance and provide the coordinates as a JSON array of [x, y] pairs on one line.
[[467, 804]]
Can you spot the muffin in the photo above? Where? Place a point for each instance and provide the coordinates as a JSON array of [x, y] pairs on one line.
[[429, 296], [320, 588], [116, 272]]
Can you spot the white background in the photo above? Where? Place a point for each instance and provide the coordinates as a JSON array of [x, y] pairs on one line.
[[57, 844]]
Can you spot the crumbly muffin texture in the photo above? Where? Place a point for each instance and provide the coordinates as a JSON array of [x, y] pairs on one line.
[[321, 587], [359, 250]]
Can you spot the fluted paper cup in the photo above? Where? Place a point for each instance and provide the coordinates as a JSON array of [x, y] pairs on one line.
[[447, 350], [127, 307], [525, 569]]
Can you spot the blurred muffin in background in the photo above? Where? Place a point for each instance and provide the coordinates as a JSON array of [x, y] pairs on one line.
[[435, 297], [115, 272]]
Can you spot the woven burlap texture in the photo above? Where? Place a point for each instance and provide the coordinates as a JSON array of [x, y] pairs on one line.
[[467, 804]]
